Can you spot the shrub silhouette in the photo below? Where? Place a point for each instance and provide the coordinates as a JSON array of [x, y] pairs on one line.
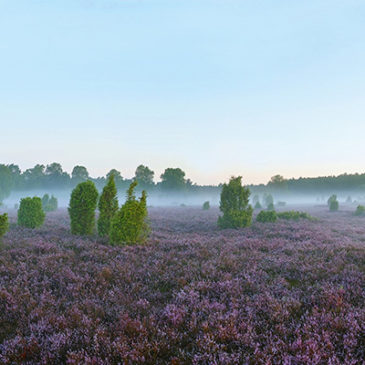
[[108, 206], [360, 210], [82, 208], [4, 224], [267, 216], [49, 204], [129, 224], [206, 205], [234, 205], [268, 201], [332, 203], [30, 213]]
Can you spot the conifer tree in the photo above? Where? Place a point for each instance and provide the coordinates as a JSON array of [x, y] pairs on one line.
[[129, 224], [234, 205], [82, 207], [108, 206]]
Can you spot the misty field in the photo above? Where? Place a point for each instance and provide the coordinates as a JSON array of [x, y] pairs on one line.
[[290, 292]]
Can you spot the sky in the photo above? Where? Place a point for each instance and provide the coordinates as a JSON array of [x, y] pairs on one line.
[[216, 87]]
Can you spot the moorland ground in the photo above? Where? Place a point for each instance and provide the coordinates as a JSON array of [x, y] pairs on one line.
[[288, 292]]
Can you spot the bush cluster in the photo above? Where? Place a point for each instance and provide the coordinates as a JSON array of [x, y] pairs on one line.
[[294, 215], [206, 205], [49, 204], [4, 224], [82, 207], [129, 224], [332, 203], [234, 205], [267, 216], [360, 210], [30, 213]]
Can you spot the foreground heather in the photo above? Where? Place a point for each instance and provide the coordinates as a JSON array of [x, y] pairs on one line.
[[289, 292]]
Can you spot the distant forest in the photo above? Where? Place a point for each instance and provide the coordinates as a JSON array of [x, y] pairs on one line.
[[52, 177]]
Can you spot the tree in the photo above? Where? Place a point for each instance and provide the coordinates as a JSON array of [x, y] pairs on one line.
[[173, 179], [82, 207], [79, 174], [278, 182], [332, 203], [234, 205], [269, 201], [108, 206], [6, 182], [55, 175], [49, 204], [4, 224], [144, 177], [129, 225], [118, 178], [34, 177], [30, 213]]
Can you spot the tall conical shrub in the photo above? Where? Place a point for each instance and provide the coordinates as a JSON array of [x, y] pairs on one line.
[[4, 224], [108, 206], [129, 224], [234, 205], [82, 207]]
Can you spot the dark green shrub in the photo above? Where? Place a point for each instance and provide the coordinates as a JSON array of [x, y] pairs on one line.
[[332, 203], [267, 216], [360, 210], [294, 215], [4, 224], [49, 204], [30, 213], [206, 205], [108, 206], [82, 207], [129, 224], [234, 205]]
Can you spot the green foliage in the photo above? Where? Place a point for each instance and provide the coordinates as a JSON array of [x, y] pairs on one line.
[[271, 207], [49, 204], [295, 215], [234, 205], [30, 213], [108, 206], [6, 182], [332, 203], [144, 177], [129, 224], [4, 224], [278, 182], [267, 216], [360, 210], [82, 208], [173, 179], [206, 205], [79, 174]]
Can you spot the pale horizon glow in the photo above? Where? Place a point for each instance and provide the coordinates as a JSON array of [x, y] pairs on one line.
[[215, 87]]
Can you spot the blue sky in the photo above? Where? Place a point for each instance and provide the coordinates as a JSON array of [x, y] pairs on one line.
[[218, 88]]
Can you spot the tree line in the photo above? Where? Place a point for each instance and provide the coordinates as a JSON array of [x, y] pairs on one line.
[[52, 177]]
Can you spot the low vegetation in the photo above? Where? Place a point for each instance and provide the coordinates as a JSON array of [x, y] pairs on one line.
[[4, 224], [267, 216]]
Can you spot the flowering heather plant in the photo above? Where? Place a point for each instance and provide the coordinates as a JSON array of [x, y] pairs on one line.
[[289, 293]]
